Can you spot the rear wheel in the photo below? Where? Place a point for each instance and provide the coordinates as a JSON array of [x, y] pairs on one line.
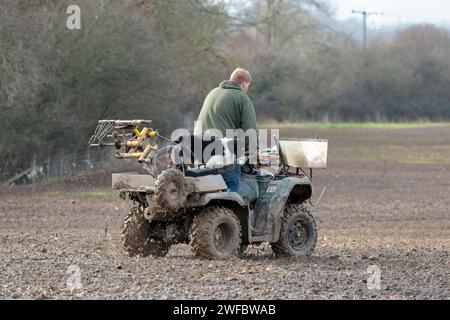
[[215, 233], [298, 236], [136, 239]]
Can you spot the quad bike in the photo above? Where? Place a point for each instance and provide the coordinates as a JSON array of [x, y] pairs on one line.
[[191, 204]]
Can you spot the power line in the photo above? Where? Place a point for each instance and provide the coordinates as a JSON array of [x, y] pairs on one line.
[[365, 14]]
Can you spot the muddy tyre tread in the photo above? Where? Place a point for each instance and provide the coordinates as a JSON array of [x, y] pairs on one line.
[[162, 183], [282, 247], [199, 232], [135, 236]]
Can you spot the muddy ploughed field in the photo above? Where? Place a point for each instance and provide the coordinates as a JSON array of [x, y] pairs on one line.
[[385, 216]]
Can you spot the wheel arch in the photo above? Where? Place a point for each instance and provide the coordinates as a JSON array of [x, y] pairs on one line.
[[300, 193], [270, 208]]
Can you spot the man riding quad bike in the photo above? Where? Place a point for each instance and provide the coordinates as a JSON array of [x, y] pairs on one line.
[[193, 204]]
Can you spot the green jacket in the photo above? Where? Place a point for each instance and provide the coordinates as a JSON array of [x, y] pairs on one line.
[[227, 107]]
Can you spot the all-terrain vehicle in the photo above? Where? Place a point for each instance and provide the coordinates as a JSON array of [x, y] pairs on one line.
[[190, 204]]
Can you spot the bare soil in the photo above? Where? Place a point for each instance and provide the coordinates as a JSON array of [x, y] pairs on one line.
[[387, 209]]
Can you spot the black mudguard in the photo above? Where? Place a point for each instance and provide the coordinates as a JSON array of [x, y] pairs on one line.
[[266, 218]]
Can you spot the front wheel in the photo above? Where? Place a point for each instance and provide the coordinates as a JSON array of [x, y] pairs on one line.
[[215, 233], [298, 235]]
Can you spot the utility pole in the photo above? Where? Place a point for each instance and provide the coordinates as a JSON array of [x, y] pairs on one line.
[[365, 14]]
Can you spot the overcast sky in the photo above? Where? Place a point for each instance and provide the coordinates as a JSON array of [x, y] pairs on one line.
[[396, 11]]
